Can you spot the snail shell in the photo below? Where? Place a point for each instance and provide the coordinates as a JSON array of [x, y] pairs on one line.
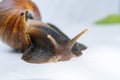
[[13, 26], [22, 29]]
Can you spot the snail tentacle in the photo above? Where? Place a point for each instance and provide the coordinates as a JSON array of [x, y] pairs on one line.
[[73, 41], [56, 45]]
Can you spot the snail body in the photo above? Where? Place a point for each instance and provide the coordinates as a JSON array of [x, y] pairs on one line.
[[21, 28]]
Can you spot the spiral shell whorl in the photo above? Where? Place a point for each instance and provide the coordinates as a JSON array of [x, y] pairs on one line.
[[13, 29]]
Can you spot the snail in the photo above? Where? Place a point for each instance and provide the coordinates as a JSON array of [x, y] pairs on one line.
[[21, 28]]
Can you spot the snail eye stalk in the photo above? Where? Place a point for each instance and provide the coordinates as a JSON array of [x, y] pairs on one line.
[[28, 16]]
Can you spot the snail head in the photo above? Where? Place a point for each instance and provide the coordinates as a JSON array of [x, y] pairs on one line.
[[63, 52]]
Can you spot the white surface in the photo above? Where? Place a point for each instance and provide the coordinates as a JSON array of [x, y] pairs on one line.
[[101, 61]]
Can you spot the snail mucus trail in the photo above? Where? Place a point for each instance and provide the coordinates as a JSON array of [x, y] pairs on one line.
[[21, 28]]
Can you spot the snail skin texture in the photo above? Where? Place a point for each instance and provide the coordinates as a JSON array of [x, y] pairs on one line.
[[22, 29]]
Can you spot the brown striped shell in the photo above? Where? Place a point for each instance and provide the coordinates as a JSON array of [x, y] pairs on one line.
[[13, 28]]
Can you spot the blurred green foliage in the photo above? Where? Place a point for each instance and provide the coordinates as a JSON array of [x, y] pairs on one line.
[[111, 19]]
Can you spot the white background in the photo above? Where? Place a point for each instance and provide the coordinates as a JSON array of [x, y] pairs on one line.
[[76, 10], [101, 61]]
